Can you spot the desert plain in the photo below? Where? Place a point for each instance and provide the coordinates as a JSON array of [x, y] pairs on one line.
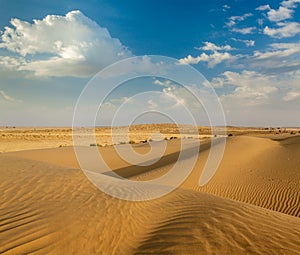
[[250, 206]]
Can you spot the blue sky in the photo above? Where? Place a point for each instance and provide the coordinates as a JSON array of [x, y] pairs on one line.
[[248, 50]]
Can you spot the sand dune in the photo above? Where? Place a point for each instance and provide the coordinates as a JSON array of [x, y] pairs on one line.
[[259, 171], [49, 207]]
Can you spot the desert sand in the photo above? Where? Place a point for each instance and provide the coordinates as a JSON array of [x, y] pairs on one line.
[[250, 206]]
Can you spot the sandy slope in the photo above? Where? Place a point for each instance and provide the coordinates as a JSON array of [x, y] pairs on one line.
[[48, 205], [49, 209], [259, 171]]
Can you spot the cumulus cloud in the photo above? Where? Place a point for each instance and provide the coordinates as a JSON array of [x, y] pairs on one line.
[[287, 29], [290, 3], [70, 45], [212, 59], [282, 13], [209, 46]]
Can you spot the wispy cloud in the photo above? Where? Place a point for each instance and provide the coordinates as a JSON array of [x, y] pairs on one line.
[[233, 20], [8, 98], [226, 7], [279, 50], [263, 7], [244, 31], [248, 43]]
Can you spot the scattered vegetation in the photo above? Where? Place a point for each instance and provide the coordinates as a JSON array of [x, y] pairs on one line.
[[94, 145]]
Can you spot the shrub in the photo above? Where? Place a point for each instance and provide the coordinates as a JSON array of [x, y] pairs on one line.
[[93, 144], [131, 142], [230, 134]]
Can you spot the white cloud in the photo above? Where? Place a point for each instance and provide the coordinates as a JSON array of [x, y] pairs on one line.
[[292, 95], [70, 45], [248, 43], [263, 7], [165, 83], [181, 95], [260, 22], [152, 105], [278, 58], [11, 62], [212, 59], [257, 87], [243, 79], [244, 31], [290, 3], [279, 50], [226, 7], [6, 97], [253, 98], [284, 30], [233, 20], [209, 46], [282, 13]]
